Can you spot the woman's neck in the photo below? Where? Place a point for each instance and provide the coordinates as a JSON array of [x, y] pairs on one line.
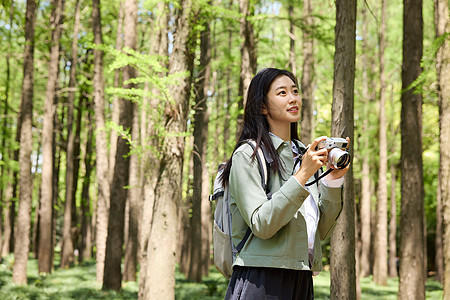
[[282, 132]]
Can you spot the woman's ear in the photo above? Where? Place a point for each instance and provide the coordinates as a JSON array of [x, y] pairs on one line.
[[264, 110]]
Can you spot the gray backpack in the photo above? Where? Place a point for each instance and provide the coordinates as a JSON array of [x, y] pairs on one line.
[[224, 250]]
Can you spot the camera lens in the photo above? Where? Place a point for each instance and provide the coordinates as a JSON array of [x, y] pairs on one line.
[[339, 158]]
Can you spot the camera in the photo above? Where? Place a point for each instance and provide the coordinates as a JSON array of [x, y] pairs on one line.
[[338, 155]]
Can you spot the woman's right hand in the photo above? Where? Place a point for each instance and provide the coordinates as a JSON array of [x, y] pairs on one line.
[[312, 161]]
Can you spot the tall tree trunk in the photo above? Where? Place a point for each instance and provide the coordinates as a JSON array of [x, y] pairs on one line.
[[227, 117], [365, 204], [115, 107], [380, 271], [161, 256], [292, 56], [201, 119], [112, 277], [151, 163], [134, 196], [248, 55], [86, 221], [67, 255], [393, 226], [443, 75], [45, 230], [307, 84], [22, 240], [342, 270], [101, 144], [5, 132], [412, 281]]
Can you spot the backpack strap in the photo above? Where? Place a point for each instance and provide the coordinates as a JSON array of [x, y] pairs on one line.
[[263, 163]]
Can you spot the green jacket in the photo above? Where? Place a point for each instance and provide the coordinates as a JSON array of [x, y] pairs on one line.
[[279, 236]]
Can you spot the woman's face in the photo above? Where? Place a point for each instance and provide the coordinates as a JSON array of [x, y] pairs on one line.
[[284, 103]]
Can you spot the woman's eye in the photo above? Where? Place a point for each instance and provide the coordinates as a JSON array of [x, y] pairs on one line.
[[295, 91], [282, 93]]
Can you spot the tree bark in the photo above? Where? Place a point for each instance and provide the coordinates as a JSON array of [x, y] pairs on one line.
[[307, 81], [112, 277], [5, 131], [342, 268], [201, 119], [248, 56], [292, 56], [161, 258], [101, 144], [365, 204], [443, 76], [393, 226], [115, 107], [86, 216], [412, 281], [67, 251], [22, 240], [150, 164], [380, 270], [45, 229], [134, 196]]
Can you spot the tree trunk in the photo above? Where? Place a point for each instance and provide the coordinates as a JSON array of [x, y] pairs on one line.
[[86, 228], [307, 84], [22, 240], [67, 255], [161, 258], [342, 268], [393, 226], [365, 204], [443, 76], [151, 164], [412, 281], [112, 278], [248, 56], [380, 271], [5, 132], [201, 119], [115, 107], [292, 56], [134, 196], [45, 230], [101, 144]]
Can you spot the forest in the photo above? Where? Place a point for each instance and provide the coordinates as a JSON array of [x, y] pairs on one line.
[[116, 114]]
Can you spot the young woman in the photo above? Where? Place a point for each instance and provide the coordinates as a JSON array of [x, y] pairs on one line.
[[283, 250]]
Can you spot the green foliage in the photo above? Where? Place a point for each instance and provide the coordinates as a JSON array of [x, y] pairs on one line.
[[76, 283]]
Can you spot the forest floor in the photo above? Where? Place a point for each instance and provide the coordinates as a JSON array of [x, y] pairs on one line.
[[80, 283]]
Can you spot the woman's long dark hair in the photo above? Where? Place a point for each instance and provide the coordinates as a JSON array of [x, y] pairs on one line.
[[256, 126]]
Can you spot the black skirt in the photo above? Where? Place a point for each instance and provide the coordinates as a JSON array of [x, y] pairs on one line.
[[250, 283]]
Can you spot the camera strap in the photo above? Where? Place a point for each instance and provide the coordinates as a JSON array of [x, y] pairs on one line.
[[319, 177]]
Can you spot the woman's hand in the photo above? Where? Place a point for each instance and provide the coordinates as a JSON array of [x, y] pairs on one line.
[[312, 161]]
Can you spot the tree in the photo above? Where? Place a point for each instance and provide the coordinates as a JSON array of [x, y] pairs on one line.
[[101, 144], [380, 270], [443, 75], [201, 118], [22, 241], [248, 54], [112, 278], [161, 251], [67, 255], [342, 258], [307, 81], [365, 202], [46, 207], [412, 281]]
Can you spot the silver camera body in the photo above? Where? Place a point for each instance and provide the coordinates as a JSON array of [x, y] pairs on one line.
[[338, 155], [331, 143]]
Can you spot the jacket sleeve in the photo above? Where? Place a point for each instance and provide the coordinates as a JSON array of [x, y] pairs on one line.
[[330, 206], [265, 217]]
